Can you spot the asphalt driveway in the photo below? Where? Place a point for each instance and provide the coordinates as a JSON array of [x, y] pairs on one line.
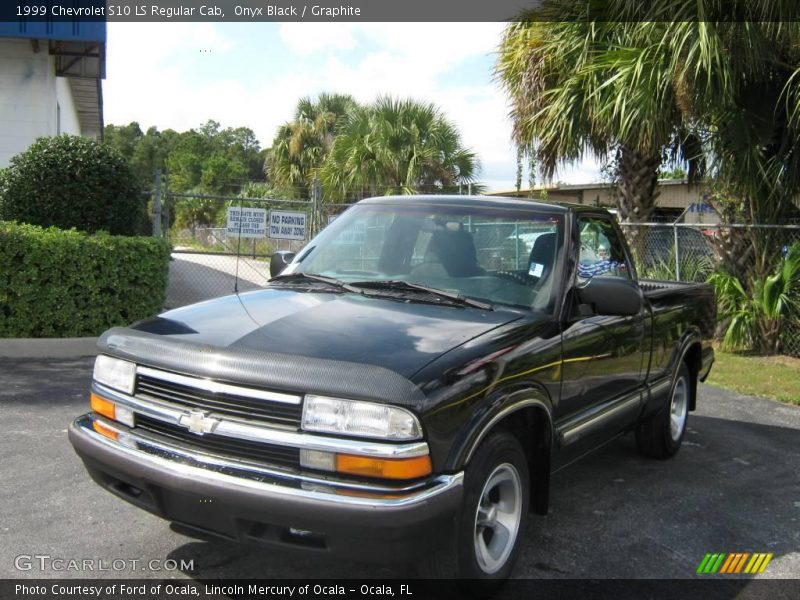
[[734, 486], [194, 277]]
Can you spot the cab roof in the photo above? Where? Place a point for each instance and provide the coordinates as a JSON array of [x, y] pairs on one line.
[[481, 201]]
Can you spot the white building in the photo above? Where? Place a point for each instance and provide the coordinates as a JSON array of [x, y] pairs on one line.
[[50, 82]]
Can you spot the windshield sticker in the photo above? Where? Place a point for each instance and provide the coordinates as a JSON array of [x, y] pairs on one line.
[[536, 270]]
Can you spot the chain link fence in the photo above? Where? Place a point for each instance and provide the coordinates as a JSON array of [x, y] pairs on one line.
[[692, 252], [213, 256], [210, 259]]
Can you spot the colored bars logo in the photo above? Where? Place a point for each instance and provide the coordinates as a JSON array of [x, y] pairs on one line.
[[734, 563]]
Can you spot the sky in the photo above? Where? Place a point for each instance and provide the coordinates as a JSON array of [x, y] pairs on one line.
[[179, 75]]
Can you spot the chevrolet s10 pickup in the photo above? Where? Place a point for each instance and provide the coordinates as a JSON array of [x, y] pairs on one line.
[[404, 388]]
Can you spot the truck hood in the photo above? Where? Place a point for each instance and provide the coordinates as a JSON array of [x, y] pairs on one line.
[[396, 335]]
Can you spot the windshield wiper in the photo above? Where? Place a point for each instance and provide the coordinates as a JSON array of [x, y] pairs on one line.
[[405, 286], [357, 287], [289, 277]]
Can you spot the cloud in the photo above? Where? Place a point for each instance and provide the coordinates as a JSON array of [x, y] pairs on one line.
[[152, 80], [437, 43], [305, 39], [586, 171], [160, 74], [147, 44], [419, 70], [412, 60]]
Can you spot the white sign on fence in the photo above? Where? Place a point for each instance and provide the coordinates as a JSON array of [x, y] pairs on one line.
[[247, 222], [284, 225]]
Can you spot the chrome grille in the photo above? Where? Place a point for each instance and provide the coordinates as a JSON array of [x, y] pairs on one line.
[[270, 454], [219, 403]]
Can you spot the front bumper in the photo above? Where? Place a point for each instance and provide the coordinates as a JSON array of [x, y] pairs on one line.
[[211, 496]]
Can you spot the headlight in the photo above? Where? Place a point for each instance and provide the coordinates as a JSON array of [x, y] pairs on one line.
[[364, 419], [115, 373]]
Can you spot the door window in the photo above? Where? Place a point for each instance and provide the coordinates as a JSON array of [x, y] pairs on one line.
[[602, 252]]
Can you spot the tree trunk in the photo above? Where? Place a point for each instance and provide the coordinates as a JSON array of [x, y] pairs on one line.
[[735, 252], [637, 177], [769, 334]]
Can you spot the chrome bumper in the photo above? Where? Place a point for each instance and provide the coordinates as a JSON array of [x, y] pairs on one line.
[[208, 495], [142, 455]]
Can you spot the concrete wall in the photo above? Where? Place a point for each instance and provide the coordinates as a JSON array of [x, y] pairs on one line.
[[69, 114], [29, 95]]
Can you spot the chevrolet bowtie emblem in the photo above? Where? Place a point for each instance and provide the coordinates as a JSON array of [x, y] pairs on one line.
[[197, 422]]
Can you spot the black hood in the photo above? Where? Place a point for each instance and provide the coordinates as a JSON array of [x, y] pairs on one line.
[[396, 335]]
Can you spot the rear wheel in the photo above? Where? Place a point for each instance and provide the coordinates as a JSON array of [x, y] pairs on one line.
[[661, 435], [492, 520]]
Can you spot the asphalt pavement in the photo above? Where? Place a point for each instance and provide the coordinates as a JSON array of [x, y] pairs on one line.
[[194, 277], [733, 487]]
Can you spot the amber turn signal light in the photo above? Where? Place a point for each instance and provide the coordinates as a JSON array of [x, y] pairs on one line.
[[395, 468], [102, 406], [105, 430]]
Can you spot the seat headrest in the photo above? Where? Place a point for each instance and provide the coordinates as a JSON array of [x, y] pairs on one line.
[[544, 250], [456, 251]]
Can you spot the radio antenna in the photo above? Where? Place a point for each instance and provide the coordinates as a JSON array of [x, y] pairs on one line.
[[238, 251]]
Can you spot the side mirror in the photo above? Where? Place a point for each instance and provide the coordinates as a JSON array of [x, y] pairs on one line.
[[279, 261], [614, 296]]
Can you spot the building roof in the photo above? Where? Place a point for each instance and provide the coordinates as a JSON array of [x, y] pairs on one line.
[[572, 188]]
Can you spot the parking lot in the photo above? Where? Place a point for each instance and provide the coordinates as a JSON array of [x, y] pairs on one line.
[[733, 487]]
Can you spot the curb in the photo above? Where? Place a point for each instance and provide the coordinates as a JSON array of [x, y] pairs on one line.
[[35, 348]]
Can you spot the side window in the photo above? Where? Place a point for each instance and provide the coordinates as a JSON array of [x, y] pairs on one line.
[[601, 250]]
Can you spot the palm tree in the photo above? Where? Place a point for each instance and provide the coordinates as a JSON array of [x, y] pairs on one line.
[[677, 86], [396, 147], [301, 145], [606, 87]]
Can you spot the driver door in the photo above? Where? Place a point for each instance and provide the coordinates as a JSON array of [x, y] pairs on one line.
[[602, 355]]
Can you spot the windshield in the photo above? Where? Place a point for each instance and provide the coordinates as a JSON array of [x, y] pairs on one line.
[[488, 253]]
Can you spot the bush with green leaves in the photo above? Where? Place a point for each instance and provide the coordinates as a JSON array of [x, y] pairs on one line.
[[755, 322], [693, 268], [56, 283], [70, 181]]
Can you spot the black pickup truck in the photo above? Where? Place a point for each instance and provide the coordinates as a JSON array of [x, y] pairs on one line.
[[406, 385]]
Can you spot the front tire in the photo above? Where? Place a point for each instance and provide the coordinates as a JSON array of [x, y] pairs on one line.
[[661, 435], [492, 520]]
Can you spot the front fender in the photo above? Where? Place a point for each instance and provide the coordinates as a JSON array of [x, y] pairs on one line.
[[501, 405]]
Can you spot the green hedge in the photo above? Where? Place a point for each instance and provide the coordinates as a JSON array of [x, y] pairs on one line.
[[56, 283], [70, 181]]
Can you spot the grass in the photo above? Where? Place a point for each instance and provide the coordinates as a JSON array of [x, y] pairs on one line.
[[776, 377]]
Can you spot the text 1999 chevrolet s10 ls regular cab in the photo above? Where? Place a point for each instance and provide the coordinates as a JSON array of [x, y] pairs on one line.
[[412, 377]]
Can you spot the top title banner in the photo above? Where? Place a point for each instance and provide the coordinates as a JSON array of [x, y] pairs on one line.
[[263, 10], [240, 11]]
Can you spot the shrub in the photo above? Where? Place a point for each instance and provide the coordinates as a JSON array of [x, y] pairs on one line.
[[70, 181], [56, 283], [756, 321]]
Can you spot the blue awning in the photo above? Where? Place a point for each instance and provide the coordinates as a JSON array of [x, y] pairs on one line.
[[61, 31]]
